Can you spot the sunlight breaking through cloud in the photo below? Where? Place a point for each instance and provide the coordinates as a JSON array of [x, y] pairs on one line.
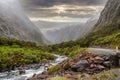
[[60, 19]]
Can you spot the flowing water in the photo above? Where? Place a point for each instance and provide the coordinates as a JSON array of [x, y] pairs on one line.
[[14, 75]]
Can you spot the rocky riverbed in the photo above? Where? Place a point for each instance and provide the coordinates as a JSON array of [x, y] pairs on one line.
[[24, 72], [85, 64]]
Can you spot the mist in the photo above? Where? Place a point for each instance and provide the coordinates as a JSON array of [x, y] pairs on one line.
[[15, 24]]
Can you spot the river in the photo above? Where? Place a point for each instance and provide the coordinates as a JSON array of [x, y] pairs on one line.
[[14, 75]]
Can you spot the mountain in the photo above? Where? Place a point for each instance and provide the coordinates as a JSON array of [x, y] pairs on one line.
[[69, 31], [106, 32], [110, 14], [65, 33], [15, 24]]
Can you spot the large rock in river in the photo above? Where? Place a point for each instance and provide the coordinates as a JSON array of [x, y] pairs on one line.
[[80, 66]]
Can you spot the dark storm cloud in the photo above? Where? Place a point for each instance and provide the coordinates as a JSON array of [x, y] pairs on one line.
[[59, 9], [47, 3], [53, 12]]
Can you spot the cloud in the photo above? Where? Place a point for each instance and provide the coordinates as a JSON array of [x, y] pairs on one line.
[[60, 19], [48, 3], [41, 9], [65, 10]]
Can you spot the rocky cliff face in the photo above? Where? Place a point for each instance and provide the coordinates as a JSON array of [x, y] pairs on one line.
[[110, 14], [14, 23]]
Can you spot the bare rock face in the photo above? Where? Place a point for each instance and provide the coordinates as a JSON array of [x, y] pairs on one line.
[[110, 14]]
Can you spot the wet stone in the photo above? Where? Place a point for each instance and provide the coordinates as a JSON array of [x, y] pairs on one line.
[[118, 55], [80, 66], [21, 72], [107, 63]]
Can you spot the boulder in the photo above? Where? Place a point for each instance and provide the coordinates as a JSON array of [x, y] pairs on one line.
[[73, 77], [86, 75], [107, 64], [68, 76], [114, 60], [106, 58], [100, 67], [92, 66], [42, 76], [98, 60], [21, 72], [118, 54], [80, 66]]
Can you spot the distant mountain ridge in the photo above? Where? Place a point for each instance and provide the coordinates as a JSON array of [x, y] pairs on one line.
[[69, 31]]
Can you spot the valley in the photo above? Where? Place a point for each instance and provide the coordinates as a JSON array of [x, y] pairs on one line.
[[59, 40]]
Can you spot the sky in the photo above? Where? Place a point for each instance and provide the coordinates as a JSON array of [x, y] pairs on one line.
[[62, 10]]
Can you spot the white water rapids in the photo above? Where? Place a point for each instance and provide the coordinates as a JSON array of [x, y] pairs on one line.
[[13, 75]]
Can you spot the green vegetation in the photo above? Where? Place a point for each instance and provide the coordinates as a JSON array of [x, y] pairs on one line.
[[53, 69], [106, 32], [59, 78], [105, 75], [107, 36], [11, 56], [21, 43], [109, 75], [14, 53], [111, 40], [69, 51]]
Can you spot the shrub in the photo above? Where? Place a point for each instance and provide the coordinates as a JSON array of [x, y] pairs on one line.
[[53, 69], [59, 78], [105, 75], [16, 56]]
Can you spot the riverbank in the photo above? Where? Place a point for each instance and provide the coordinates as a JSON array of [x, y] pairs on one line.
[[30, 70], [83, 64], [113, 74], [17, 56]]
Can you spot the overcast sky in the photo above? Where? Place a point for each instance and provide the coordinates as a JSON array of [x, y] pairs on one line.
[[62, 10]]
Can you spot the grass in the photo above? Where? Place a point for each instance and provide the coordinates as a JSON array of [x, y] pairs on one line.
[[59, 78], [69, 51], [105, 75], [111, 40], [11, 56], [53, 69]]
